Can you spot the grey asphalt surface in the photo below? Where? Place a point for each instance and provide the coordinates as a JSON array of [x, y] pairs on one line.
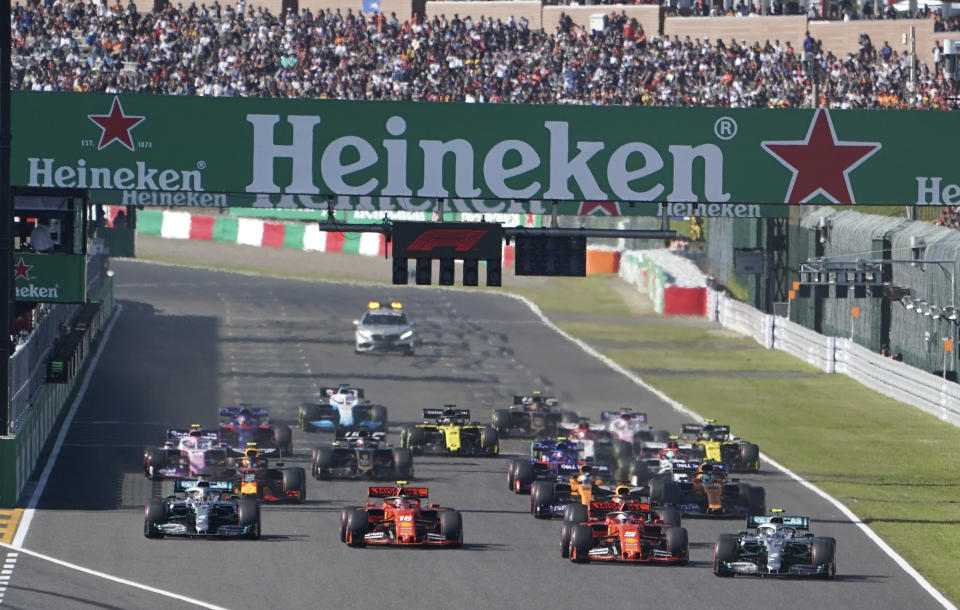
[[188, 341]]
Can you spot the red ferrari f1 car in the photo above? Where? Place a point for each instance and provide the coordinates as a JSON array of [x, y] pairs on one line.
[[400, 519]]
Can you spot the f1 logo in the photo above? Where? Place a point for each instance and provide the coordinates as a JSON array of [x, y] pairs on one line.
[[462, 240]]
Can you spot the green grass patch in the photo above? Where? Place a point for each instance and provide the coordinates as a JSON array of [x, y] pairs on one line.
[[649, 333], [703, 358], [592, 294]]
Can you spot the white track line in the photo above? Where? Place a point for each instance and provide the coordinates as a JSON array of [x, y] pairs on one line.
[[849, 514], [27, 517], [122, 581]]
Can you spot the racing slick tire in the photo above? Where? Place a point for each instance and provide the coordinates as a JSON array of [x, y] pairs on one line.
[[154, 514], [322, 462], [542, 494], [489, 440], [750, 457], [581, 541], [295, 479], [344, 516], [638, 474], [823, 552], [725, 549], [248, 514], [660, 436], [501, 421], [451, 526], [403, 463], [664, 492], [566, 530], [413, 438], [154, 460], [670, 516], [357, 525], [283, 439], [576, 514], [511, 473], [523, 477], [758, 500], [378, 414], [677, 543], [308, 413]]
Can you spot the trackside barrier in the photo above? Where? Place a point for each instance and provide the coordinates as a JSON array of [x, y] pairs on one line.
[[19, 452]]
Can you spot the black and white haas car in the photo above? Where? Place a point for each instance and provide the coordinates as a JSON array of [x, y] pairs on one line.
[[361, 455]]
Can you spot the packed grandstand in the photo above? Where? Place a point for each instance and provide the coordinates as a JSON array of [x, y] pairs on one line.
[[211, 51]]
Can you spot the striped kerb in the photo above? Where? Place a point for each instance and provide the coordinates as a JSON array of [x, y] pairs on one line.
[[225, 229], [293, 237], [149, 222], [202, 227], [273, 234]]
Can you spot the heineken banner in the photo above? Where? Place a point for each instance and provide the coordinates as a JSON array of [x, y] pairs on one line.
[[50, 278], [482, 158]]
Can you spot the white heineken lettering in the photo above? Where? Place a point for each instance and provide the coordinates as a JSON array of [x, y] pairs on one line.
[[496, 173], [562, 168], [334, 171], [712, 210], [571, 169], [266, 150], [396, 159], [180, 198], [32, 291], [433, 153], [46, 173], [929, 192], [683, 160]]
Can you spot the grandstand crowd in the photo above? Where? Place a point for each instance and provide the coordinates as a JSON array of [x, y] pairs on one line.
[[222, 51]]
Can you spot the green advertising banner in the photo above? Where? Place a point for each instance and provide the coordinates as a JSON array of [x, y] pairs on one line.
[[50, 278], [481, 158]]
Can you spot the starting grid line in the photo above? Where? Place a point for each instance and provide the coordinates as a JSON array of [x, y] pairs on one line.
[[9, 563]]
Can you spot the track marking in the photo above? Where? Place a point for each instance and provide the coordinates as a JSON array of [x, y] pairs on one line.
[[9, 563], [110, 577], [679, 407], [8, 524], [28, 513]]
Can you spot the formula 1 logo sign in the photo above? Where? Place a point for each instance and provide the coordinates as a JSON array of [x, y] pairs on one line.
[[459, 240]]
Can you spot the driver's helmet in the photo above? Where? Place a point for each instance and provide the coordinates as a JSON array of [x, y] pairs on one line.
[[399, 502], [669, 454], [622, 517], [619, 501], [242, 419], [195, 495], [767, 530], [584, 427]]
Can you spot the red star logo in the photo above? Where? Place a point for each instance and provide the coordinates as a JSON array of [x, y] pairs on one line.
[[821, 164], [607, 208], [116, 125], [22, 270]]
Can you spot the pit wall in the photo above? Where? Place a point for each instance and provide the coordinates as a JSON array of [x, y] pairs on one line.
[[20, 452]]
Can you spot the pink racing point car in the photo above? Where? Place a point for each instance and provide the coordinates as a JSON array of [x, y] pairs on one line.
[[186, 454]]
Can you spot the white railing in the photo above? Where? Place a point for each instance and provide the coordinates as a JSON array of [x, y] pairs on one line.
[[897, 380]]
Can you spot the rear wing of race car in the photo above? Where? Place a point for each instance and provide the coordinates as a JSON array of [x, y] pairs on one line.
[[330, 391], [448, 411], [682, 466], [800, 523], [656, 446], [389, 492], [697, 428], [234, 411], [599, 508], [182, 485], [634, 416], [177, 434], [263, 452], [546, 446], [593, 427], [526, 399]]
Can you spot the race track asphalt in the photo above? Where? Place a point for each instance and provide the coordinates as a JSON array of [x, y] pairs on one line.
[[187, 341]]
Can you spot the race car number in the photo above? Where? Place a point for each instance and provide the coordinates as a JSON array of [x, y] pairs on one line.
[[405, 518]]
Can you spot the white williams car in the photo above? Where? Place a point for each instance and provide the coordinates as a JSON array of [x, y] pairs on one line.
[[384, 329]]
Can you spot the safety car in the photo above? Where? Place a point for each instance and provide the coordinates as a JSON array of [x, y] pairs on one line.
[[398, 516], [450, 431], [361, 455], [384, 328], [202, 509], [775, 545]]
